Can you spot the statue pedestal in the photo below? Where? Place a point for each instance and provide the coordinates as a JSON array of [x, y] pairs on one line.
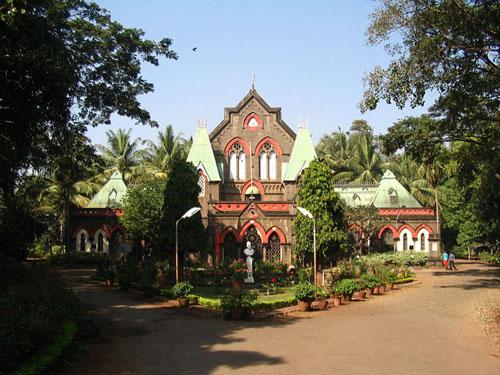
[[249, 280]]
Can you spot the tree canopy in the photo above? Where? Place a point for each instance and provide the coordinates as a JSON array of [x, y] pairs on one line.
[[316, 194]]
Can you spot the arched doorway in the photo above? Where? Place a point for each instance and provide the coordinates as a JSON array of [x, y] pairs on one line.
[[230, 248], [253, 236]]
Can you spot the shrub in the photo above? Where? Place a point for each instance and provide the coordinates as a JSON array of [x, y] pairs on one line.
[[490, 258], [305, 291], [182, 289], [147, 277], [33, 304], [237, 270], [346, 287], [408, 258], [371, 281], [126, 271], [304, 275], [234, 299]]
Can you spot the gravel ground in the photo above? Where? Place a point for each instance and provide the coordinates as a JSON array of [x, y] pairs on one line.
[[435, 327]]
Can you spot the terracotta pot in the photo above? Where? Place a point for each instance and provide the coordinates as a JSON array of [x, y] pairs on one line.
[[304, 305], [381, 289], [322, 304], [376, 290], [369, 292], [346, 299], [337, 301], [183, 302], [390, 286], [362, 294], [236, 314]]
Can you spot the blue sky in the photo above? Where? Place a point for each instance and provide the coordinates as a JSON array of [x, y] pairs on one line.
[[309, 57]]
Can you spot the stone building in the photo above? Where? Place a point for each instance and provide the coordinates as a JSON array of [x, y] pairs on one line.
[[409, 226], [248, 170], [96, 228]]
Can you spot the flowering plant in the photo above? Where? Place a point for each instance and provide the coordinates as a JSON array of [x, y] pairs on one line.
[[238, 270]]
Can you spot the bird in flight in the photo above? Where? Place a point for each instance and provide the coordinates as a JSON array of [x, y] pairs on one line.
[[194, 49]]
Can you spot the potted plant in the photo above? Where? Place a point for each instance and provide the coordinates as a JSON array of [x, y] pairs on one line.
[[238, 272], [371, 281], [181, 292], [305, 293], [236, 303], [346, 288], [390, 278], [360, 293], [322, 298]]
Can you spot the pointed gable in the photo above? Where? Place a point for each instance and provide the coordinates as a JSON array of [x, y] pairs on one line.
[[390, 193], [302, 154], [252, 95], [111, 194], [202, 155]]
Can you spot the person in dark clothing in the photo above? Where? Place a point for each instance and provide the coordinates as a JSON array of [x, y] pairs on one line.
[[451, 261]]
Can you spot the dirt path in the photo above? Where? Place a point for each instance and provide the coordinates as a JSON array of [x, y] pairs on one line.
[[426, 329]]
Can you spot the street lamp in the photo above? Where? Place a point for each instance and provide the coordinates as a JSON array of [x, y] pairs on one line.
[[188, 213], [305, 212]]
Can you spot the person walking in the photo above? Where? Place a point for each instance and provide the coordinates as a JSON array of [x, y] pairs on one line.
[[451, 261], [445, 259]]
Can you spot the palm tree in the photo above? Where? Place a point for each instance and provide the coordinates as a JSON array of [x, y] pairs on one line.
[[121, 153], [158, 158], [364, 164], [412, 176], [333, 149]]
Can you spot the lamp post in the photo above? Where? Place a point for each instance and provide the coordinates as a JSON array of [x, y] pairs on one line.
[[188, 213], [305, 212]]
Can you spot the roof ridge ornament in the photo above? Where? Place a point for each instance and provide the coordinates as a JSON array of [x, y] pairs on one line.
[[304, 122], [253, 78], [202, 123]]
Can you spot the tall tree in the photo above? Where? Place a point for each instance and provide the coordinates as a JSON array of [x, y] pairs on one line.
[[317, 194], [158, 157], [64, 65], [121, 152], [181, 194]]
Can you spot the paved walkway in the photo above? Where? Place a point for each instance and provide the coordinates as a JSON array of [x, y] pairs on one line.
[[426, 329]]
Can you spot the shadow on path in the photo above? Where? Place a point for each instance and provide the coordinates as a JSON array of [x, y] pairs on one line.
[[474, 278], [154, 337]]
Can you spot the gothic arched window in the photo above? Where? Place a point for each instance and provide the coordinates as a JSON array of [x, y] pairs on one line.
[[201, 184], [405, 241], [422, 242], [237, 162], [100, 242], [267, 161]]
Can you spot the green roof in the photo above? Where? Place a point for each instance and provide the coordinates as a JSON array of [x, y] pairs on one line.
[[302, 154], [252, 190], [111, 194], [202, 155], [389, 193]]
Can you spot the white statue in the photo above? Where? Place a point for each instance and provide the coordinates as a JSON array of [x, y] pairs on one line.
[[249, 261]]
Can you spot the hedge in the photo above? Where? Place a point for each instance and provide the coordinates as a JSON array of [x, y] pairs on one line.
[[52, 353]]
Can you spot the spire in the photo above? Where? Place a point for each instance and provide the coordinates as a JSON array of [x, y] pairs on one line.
[[201, 153], [111, 194], [302, 153]]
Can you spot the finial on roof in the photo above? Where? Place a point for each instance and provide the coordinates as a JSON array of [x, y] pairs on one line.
[[304, 123], [388, 174], [253, 78], [202, 122]]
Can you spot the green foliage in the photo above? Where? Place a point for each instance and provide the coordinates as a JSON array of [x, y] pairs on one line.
[[34, 302], [236, 299], [408, 258], [126, 271], [237, 270], [146, 276], [259, 306], [182, 289], [316, 194], [181, 194], [490, 258], [75, 258], [346, 287], [371, 281], [52, 352], [143, 213], [305, 291]]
